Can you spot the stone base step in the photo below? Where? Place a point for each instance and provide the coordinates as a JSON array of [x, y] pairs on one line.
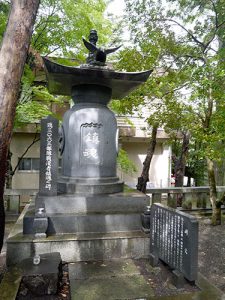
[[124, 202], [75, 223], [65, 187], [80, 247]]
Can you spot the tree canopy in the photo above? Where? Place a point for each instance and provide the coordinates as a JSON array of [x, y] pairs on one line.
[[58, 31], [183, 41], [61, 24], [186, 50]]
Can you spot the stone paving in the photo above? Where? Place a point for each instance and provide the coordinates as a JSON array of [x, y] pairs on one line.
[[124, 279], [108, 280]]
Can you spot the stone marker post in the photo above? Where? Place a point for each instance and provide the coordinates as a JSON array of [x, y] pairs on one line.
[[48, 157], [48, 172]]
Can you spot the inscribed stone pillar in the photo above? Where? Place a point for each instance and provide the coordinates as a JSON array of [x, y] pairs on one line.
[[48, 157]]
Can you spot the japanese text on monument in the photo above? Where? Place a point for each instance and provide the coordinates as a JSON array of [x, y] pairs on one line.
[[174, 239], [48, 162], [91, 152]]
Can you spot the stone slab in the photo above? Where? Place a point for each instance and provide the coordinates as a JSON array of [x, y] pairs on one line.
[[90, 213], [78, 188], [118, 202], [108, 280], [82, 247], [77, 247], [102, 269], [73, 223], [174, 239], [49, 264], [122, 279], [11, 281], [43, 278]]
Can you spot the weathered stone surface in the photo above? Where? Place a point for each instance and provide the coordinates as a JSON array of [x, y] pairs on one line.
[[90, 213], [74, 187], [174, 239], [145, 219], [89, 246], [42, 279], [102, 203], [40, 285], [40, 225], [48, 157], [178, 279], [90, 148], [108, 280], [73, 223]]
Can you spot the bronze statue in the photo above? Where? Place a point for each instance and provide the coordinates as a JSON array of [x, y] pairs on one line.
[[97, 56]]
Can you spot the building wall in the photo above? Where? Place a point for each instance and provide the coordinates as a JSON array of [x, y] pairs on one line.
[[24, 179], [160, 170]]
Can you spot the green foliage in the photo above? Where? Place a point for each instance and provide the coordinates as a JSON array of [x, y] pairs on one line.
[[124, 163], [61, 24], [4, 11], [59, 27], [34, 102], [184, 42], [41, 92], [31, 112]]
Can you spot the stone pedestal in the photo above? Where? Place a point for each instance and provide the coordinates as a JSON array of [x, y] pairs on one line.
[[107, 185], [84, 227], [78, 214]]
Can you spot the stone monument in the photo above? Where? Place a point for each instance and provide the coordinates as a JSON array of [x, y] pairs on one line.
[[89, 217], [174, 240]]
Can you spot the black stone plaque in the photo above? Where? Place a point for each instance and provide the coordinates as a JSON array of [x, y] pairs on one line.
[[174, 239], [48, 157], [91, 144]]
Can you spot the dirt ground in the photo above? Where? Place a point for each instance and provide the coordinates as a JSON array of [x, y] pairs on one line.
[[212, 252]]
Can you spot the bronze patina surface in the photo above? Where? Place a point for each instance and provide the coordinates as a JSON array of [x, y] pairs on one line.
[[62, 78]]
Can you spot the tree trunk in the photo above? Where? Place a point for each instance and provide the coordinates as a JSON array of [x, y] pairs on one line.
[[216, 205], [8, 177], [144, 178], [179, 168], [13, 55]]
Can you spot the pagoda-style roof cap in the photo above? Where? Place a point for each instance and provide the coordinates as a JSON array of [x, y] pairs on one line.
[[62, 78]]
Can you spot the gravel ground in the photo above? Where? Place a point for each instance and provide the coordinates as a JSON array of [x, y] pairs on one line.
[[212, 252]]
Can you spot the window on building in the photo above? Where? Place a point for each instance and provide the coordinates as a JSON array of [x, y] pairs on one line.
[[29, 164], [32, 164]]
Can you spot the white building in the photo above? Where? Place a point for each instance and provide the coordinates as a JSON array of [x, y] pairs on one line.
[[134, 139]]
